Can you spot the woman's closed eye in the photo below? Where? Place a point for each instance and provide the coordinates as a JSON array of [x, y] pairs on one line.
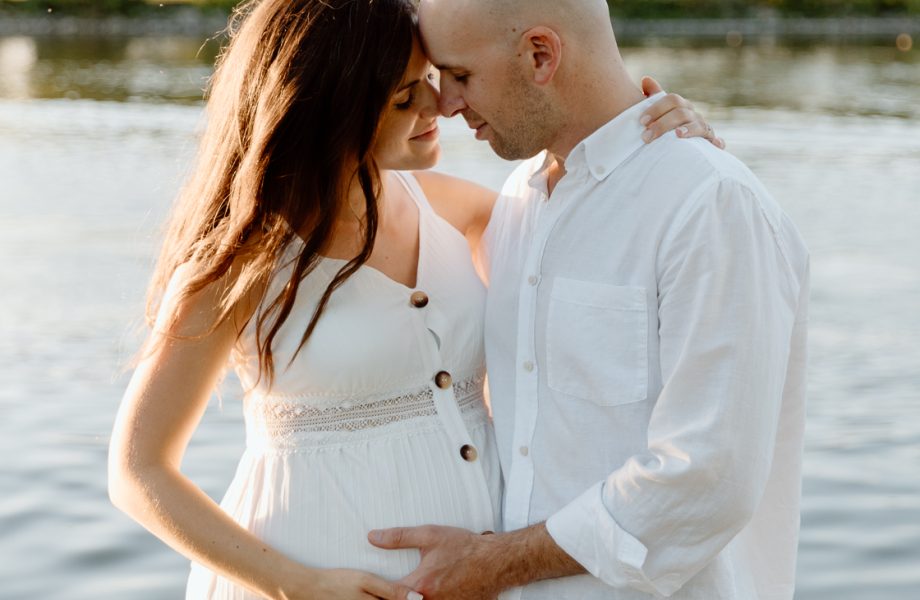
[[408, 102]]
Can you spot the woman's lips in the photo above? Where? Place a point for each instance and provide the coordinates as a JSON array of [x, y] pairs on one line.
[[428, 136]]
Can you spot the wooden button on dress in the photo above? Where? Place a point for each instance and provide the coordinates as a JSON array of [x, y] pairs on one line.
[[468, 453], [443, 380], [419, 299]]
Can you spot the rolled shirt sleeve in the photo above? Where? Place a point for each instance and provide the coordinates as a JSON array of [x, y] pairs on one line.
[[727, 303]]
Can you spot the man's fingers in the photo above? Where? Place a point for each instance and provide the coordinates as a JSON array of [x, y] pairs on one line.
[[398, 537]]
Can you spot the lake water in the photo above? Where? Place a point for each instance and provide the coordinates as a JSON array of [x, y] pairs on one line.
[[96, 135]]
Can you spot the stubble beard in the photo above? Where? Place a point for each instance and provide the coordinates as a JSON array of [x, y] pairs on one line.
[[531, 122]]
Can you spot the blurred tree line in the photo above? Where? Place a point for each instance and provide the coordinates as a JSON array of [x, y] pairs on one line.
[[651, 9], [111, 7], [646, 9]]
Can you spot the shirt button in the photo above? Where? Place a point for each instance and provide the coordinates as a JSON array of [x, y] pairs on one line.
[[599, 171], [468, 452], [419, 299], [533, 280], [528, 366], [443, 380], [524, 450]]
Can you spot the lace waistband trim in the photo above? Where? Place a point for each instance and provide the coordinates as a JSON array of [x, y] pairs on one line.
[[283, 422]]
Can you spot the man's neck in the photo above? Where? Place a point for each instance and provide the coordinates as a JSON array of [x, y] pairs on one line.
[[610, 94], [588, 124]]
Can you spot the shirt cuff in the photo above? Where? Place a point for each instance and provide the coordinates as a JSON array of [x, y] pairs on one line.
[[588, 533]]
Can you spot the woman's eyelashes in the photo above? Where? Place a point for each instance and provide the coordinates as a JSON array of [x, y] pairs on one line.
[[410, 99], [408, 102]]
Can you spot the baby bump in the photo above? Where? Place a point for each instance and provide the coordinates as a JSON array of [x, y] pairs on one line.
[[317, 504]]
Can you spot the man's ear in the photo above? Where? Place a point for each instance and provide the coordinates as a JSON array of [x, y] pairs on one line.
[[543, 49]]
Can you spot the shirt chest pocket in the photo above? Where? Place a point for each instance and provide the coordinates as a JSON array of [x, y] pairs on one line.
[[597, 342]]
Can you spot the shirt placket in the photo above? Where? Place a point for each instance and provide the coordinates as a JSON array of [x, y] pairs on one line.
[[520, 486]]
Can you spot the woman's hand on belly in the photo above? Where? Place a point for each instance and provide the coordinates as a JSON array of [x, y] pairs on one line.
[[345, 584]]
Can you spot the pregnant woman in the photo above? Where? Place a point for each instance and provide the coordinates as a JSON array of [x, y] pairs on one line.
[[341, 289]]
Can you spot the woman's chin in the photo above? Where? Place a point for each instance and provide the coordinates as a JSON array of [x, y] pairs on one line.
[[415, 162], [431, 160]]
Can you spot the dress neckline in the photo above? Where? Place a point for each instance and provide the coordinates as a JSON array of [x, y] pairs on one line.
[[422, 237]]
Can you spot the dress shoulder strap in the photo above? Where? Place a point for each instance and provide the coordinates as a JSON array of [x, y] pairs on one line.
[[415, 190]]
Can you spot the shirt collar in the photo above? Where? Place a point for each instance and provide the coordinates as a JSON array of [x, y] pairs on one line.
[[615, 141], [538, 179]]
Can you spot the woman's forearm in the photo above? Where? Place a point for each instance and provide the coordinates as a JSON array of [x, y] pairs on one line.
[[179, 513]]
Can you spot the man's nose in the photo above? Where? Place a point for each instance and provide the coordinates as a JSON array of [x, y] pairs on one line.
[[451, 101]]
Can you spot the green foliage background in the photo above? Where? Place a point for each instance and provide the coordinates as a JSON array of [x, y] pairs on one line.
[[738, 8], [648, 9], [111, 7]]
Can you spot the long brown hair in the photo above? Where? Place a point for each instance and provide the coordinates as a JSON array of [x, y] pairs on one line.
[[292, 114]]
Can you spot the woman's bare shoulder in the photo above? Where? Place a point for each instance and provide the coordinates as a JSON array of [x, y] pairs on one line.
[[462, 203], [186, 313]]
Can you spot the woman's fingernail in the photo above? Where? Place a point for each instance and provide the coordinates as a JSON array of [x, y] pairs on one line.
[[645, 120], [415, 596], [682, 131], [647, 137]]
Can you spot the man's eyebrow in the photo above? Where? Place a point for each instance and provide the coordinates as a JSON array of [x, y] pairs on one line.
[[448, 68]]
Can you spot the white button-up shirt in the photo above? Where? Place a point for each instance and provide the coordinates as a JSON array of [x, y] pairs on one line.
[[646, 348]]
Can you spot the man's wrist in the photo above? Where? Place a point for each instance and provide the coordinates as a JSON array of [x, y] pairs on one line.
[[523, 556]]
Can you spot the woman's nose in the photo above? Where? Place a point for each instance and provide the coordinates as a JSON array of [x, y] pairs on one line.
[[431, 101]]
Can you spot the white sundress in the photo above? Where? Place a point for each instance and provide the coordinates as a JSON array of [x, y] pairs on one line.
[[378, 422]]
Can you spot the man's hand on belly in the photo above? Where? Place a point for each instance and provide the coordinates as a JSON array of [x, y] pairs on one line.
[[457, 564]]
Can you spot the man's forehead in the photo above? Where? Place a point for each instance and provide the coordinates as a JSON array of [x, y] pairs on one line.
[[449, 30], [482, 14], [450, 8], [438, 18]]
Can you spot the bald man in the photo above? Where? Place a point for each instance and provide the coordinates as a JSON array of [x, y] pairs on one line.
[[645, 333]]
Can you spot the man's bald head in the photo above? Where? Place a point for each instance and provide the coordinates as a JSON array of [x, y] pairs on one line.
[[526, 74], [497, 19], [582, 17]]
